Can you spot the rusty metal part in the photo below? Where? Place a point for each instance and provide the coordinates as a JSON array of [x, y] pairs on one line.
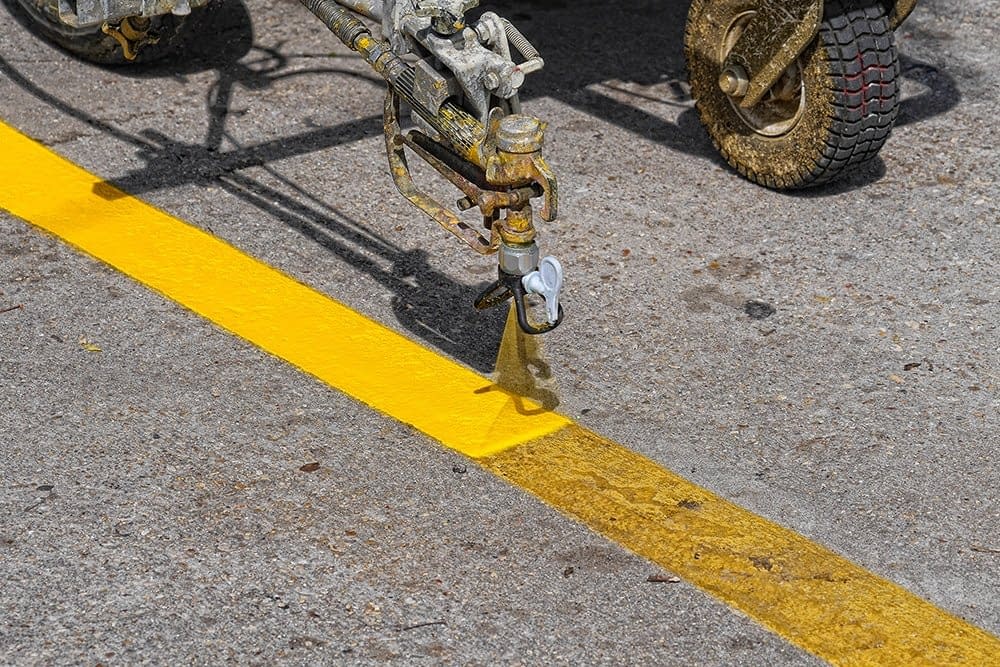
[[132, 33], [459, 128], [517, 165], [505, 204], [395, 144], [498, 166], [517, 226], [779, 31], [470, 180], [518, 160], [520, 134]]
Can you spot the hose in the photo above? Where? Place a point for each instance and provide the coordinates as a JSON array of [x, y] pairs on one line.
[[340, 21], [459, 127]]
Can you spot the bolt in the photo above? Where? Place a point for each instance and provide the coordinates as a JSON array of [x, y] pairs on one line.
[[491, 81], [734, 81]]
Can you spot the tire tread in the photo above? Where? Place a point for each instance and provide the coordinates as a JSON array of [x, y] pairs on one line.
[[862, 69]]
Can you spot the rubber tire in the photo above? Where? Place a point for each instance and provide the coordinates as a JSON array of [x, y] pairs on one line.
[[91, 43], [851, 78]]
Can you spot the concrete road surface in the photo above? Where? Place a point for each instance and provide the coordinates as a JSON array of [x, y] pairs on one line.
[[157, 498]]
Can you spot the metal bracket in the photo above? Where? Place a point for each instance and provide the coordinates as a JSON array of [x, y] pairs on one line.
[[901, 9], [395, 144], [775, 37], [132, 33]]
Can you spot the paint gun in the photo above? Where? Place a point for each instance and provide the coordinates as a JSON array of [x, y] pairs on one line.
[[460, 82]]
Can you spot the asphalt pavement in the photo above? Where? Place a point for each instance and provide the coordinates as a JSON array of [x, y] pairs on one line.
[[159, 502]]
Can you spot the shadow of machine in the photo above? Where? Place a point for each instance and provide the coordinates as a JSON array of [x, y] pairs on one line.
[[429, 304]]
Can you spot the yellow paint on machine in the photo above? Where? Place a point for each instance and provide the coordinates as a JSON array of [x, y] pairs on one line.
[[800, 590], [348, 351]]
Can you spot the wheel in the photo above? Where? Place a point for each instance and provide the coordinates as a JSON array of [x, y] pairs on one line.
[[42, 16], [832, 110]]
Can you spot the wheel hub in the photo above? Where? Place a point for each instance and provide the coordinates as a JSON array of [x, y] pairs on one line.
[[781, 108]]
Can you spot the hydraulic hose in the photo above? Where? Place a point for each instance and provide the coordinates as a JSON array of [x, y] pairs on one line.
[[339, 20], [461, 129]]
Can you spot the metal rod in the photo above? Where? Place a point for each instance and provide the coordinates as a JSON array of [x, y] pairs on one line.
[[370, 9]]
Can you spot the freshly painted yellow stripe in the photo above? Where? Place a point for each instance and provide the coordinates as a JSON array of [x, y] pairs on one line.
[[254, 301], [797, 588], [802, 591]]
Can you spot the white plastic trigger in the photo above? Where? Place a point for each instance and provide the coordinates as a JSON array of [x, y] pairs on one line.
[[547, 282]]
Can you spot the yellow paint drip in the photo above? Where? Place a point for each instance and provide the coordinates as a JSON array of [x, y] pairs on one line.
[[521, 368], [254, 301]]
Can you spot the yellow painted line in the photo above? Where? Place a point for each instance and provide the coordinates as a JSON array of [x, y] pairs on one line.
[[346, 350], [800, 590], [797, 588]]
